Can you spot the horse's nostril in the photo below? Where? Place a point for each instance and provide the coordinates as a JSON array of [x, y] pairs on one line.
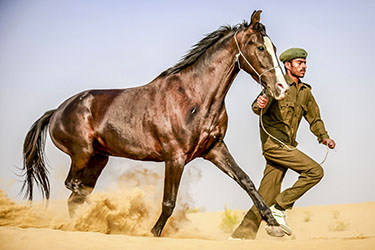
[[280, 86]]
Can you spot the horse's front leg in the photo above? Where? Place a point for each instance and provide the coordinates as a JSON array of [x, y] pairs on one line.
[[220, 156], [173, 172]]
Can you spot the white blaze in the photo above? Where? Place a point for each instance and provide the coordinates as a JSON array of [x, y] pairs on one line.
[[279, 74]]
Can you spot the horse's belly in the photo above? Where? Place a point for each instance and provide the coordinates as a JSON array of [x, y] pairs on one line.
[[129, 142]]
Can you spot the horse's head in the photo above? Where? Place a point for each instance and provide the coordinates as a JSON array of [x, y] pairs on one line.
[[256, 55]]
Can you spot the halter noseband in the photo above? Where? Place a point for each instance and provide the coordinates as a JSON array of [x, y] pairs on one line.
[[251, 66]]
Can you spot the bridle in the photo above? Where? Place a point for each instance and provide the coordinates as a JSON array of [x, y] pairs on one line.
[[251, 66]]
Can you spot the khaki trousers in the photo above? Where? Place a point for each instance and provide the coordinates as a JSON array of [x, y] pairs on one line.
[[278, 161]]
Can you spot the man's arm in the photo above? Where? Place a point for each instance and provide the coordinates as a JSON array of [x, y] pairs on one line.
[[312, 115]]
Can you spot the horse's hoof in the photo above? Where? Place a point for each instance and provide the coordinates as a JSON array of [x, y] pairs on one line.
[[156, 232], [274, 231]]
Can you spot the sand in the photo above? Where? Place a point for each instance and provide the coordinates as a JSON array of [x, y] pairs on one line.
[[123, 221]]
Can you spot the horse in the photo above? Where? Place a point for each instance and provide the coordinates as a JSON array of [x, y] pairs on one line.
[[175, 118]]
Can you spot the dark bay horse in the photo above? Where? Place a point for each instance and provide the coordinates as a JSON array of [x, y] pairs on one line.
[[175, 118]]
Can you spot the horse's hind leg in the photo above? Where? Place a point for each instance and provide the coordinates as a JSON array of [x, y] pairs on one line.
[[173, 173], [82, 179]]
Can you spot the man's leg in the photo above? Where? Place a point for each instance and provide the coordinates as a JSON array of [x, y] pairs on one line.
[[269, 188], [310, 174]]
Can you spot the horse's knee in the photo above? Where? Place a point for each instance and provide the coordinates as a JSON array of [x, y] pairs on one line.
[[168, 208], [73, 185], [77, 187]]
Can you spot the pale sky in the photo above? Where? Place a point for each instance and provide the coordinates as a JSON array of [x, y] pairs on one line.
[[51, 50]]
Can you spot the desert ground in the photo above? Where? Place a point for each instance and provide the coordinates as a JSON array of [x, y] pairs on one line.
[[111, 220]]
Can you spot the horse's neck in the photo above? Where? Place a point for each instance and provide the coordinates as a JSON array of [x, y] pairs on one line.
[[214, 73]]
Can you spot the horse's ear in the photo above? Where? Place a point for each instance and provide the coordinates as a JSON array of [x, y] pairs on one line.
[[255, 18]]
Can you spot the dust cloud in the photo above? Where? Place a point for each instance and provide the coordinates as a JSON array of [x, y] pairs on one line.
[[131, 206]]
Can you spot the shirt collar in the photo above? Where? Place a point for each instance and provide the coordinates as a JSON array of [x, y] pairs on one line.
[[290, 81]]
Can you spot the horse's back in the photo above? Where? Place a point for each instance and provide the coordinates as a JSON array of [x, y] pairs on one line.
[[111, 121]]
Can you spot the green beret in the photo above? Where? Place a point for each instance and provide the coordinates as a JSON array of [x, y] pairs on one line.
[[293, 53]]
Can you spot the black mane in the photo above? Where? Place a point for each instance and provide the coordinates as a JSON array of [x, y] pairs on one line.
[[201, 47]]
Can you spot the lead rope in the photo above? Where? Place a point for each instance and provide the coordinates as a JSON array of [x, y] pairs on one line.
[[284, 144]]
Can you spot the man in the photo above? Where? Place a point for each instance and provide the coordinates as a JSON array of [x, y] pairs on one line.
[[278, 130]]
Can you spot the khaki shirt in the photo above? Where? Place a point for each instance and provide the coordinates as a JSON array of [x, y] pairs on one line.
[[282, 118]]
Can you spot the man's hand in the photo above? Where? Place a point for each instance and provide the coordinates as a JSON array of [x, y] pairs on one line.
[[262, 101], [330, 143]]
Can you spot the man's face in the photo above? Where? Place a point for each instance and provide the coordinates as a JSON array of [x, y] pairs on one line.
[[297, 67]]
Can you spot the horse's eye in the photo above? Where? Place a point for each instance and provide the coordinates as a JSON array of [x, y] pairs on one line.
[[261, 48]]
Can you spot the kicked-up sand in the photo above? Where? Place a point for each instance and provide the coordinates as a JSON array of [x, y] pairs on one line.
[[124, 220]]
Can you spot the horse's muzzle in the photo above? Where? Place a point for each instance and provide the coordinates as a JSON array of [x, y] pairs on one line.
[[281, 90]]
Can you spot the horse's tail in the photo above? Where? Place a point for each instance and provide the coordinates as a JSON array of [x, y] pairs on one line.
[[34, 166]]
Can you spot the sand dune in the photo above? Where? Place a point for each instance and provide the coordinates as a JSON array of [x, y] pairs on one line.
[[110, 222]]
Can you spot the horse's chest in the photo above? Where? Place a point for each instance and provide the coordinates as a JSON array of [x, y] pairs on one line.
[[208, 133]]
